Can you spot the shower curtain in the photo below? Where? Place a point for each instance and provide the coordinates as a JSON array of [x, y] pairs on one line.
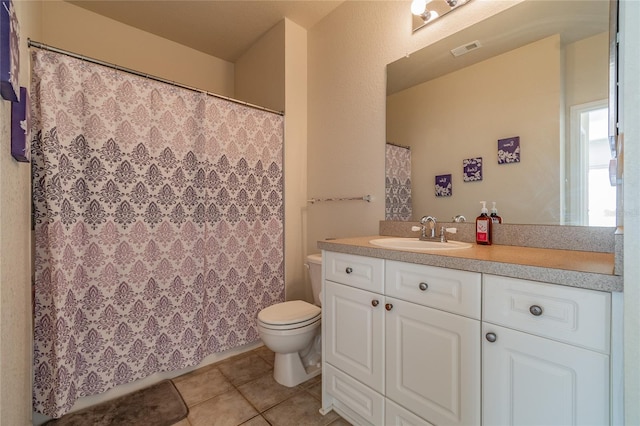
[[397, 182], [158, 215]]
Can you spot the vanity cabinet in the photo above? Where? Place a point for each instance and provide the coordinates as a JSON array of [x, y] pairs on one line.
[[409, 344], [546, 354], [401, 342]]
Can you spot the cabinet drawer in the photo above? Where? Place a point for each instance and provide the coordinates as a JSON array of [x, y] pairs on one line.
[[453, 291], [356, 271], [358, 397], [396, 415], [568, 314]]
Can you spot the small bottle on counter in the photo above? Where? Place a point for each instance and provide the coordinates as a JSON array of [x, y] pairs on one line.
[[483, 226], [494, 214]]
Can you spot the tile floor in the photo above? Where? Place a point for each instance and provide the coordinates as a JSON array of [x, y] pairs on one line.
[[241, 391]]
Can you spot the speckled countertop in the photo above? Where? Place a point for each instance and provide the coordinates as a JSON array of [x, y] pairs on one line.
[[591, 270]]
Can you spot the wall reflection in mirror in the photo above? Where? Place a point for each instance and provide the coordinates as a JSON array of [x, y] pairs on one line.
[[538, 71]]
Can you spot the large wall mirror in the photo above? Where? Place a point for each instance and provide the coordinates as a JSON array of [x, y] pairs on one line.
[[512, 110]]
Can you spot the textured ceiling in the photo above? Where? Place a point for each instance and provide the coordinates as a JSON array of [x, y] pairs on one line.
[[221, 28]]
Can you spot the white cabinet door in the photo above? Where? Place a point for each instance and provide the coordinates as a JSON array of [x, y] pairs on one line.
[[531, 380], [433, 363], [354, 333]]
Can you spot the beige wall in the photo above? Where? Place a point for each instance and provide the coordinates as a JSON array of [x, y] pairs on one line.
[[462, 115], [295, 161], [15, 251], [259, 72], [348, 53], [579, 87], [86, 33]]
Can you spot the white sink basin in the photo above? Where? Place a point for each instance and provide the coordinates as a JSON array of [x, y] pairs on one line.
[[418, 245]]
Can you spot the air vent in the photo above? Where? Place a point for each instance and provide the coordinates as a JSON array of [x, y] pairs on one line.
[[459, 51]]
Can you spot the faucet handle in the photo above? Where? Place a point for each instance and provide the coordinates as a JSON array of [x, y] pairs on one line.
[[443, 233], [416, 228]]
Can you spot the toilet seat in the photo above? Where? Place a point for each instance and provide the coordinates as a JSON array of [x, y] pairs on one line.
[[289, 315]]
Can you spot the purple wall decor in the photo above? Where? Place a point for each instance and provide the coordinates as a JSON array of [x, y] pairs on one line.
[[9, 52], [509, 150], [444, 187], [472, 169], [19, 125]]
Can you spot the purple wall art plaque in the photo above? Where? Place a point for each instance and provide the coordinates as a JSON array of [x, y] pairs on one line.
[[509, 150], [9, 52], [472, 169], [444, 187]]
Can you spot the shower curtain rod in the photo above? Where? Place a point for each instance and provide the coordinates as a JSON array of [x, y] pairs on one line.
[[399, 146], [38, 45]]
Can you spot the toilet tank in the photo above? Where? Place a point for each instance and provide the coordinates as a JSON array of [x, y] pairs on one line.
[[314, 262]]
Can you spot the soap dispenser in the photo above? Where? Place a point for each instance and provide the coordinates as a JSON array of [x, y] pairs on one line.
[[494, 214], [483, 226]]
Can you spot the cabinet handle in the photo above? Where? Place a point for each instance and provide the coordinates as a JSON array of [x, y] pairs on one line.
[[423, 286], [491, 337], [388, 306], [535, 310], [349, 270], [375, 303]]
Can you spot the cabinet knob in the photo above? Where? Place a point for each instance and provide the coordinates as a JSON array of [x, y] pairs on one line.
[[535, 310], [423, 286], [491, 337], [388, 306], [349, 270], [375, 302]]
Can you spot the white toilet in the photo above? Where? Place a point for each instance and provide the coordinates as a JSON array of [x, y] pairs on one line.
[[292, 330]]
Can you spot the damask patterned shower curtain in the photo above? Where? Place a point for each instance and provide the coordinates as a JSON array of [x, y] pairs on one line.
[[398, 205], [158, 215]]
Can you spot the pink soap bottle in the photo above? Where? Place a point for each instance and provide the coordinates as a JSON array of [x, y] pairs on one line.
[[483, 226]]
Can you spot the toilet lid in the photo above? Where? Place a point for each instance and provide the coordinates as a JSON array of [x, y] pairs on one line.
[[290, 312]]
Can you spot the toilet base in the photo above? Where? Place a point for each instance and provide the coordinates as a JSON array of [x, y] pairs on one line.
[[289, 371]]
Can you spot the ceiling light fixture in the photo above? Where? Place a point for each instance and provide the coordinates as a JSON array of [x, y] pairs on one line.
[[427, 11]]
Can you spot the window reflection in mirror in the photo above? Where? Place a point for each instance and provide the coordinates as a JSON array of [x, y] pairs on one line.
[[599, 193]]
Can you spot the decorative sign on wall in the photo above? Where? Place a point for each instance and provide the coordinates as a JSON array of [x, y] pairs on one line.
[[444, 187], [472, 169], [9, 52], [509, 150], [19, 129]]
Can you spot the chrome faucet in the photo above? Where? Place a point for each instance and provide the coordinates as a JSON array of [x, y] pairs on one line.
[[431, 222]]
